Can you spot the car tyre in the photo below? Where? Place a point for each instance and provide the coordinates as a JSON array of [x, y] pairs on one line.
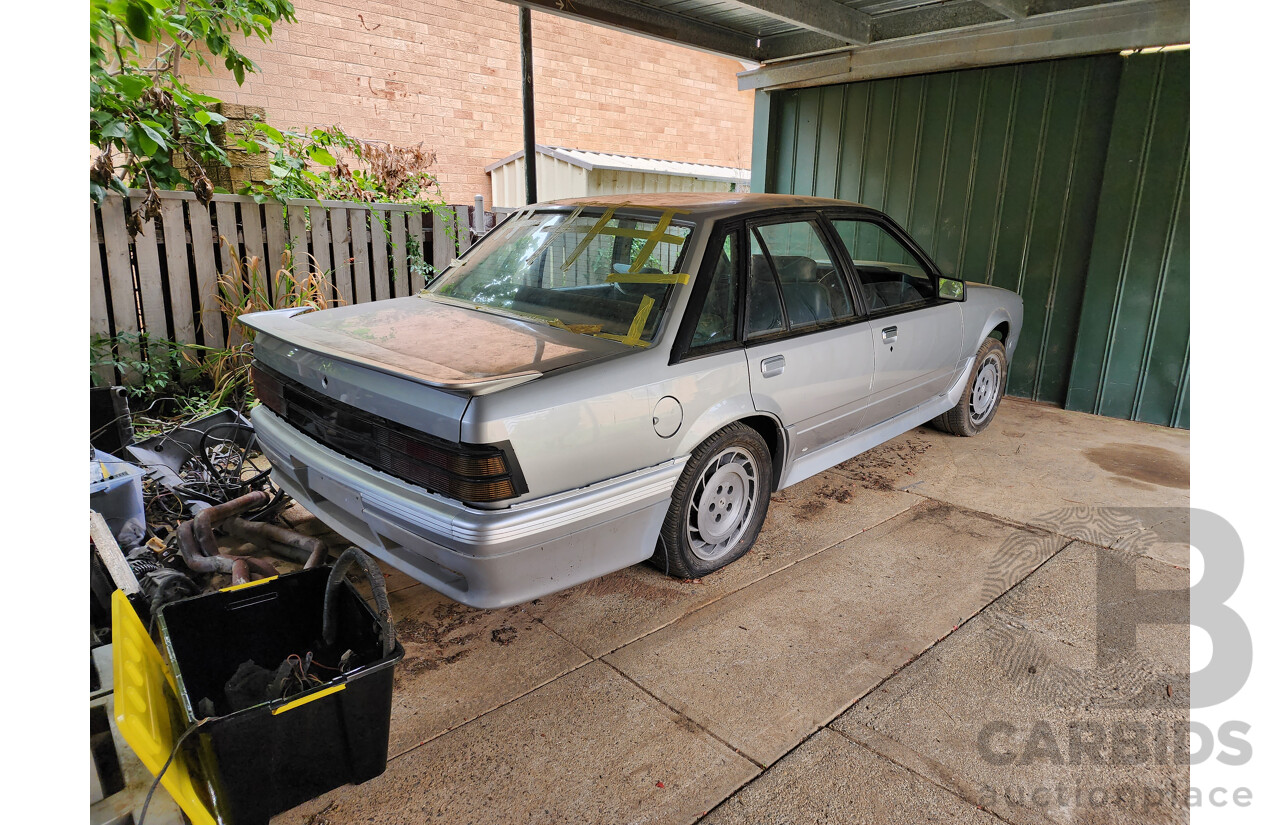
[[718, 505], [982, 395]]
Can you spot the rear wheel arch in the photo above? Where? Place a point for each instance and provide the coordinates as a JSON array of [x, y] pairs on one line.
[[720, 502], [774, 435]]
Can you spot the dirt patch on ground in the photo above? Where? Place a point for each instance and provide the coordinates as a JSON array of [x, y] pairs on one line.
[[883, 467], [1141, 462], [441, 640], [810, 509], [843, 495], [809, 505], [452, 633]]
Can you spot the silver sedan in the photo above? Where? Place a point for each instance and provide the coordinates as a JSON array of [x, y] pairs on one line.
[[602, 382]]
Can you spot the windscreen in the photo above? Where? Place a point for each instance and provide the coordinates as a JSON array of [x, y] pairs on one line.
[[603, 271]]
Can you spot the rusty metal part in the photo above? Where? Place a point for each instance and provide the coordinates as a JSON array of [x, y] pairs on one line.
[[306, 550], [243, 568], [203, 523], [199, 546], [195, 557]]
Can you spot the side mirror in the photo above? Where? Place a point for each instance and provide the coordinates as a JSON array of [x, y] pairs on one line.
[[950, 290]]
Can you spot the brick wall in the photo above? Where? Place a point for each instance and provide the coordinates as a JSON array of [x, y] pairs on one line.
[[447, 73]]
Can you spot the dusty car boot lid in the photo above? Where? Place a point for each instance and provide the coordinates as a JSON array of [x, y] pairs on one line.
[[434, 343]]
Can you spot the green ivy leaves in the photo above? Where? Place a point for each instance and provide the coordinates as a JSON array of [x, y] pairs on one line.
[[148, 127]]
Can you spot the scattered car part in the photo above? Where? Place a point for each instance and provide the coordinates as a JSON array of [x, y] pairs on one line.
[[171, 457], [377, 584], [110, 422], [199, 546], [200, 549], [294, 546]]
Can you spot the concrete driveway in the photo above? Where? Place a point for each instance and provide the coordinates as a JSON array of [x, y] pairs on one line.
[[943, 629]]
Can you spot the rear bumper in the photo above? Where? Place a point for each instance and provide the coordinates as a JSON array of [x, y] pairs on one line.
[[482, 558]]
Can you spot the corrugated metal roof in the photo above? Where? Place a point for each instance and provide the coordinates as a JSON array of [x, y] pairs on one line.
[[898, 37], [628, 163]]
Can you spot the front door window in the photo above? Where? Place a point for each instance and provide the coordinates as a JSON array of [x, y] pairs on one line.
[[890, 274]]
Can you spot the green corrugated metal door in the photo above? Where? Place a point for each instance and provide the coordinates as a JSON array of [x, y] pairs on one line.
[[1134, 343], [997, 172]]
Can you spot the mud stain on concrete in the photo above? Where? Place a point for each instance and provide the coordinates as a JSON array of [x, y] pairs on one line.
[[810, 510], [884, 467], [441, 639], [1143, 463], [842, 495], [451, 633]]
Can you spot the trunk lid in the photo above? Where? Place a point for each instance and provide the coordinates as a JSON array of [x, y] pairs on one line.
[[415, 360], [435, 343]]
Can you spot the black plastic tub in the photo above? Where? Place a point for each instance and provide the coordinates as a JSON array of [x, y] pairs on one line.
[[273, 756]]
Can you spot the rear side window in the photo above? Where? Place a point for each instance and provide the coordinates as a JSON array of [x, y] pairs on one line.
[[890, 274], [764, 301], [719, 309]]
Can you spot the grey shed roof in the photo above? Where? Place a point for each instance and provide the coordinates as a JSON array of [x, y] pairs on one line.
[[628, 163]]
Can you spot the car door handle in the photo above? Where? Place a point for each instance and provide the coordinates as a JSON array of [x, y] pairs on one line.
[[770, 367], [889, 335]]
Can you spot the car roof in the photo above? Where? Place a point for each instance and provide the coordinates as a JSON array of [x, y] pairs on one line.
[[705, 204]]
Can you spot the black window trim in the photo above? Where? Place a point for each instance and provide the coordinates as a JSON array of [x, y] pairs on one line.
[[825, 218]]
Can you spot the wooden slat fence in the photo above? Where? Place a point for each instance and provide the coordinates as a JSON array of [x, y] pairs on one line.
[[163, 281]]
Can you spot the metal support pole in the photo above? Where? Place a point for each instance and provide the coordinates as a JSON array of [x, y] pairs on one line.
[[526, 72]]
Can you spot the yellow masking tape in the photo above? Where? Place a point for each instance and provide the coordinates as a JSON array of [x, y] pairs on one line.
[[623, 232], [243, 585], [319, 694], [659, 230], [648, 278], [632, 338], [580, 329], [586, 240]]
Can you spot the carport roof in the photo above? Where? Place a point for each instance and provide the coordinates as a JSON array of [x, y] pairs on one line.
[[856, 39]]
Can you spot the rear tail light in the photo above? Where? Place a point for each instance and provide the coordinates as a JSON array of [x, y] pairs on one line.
[[267, 388], [466, 472]]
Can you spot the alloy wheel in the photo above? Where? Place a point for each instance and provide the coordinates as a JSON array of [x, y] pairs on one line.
[[722, 503]]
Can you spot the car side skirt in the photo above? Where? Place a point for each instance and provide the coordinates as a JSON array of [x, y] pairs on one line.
[[846, 448]]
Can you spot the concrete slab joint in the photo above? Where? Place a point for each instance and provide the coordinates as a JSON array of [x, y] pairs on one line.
[[925, 633]]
